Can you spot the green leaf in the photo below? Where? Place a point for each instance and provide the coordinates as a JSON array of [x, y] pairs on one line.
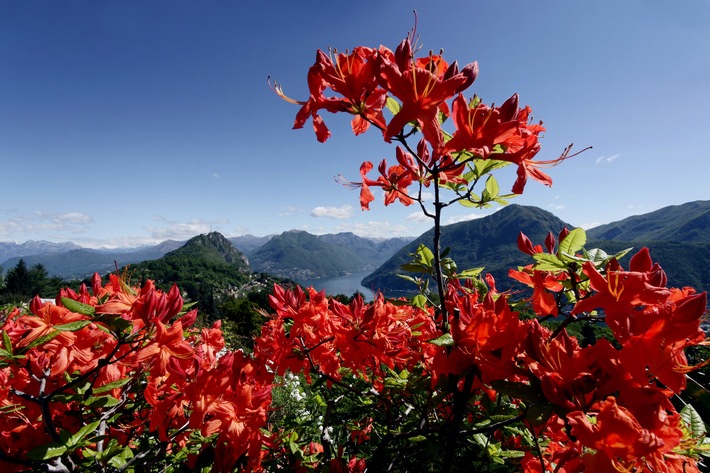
[[470, 273], [46, 452], [492, 186], [408, 277], [72, 326], [78, 307], [538, 414], [548, 262], [83, 433], [415, 268], [6, 342], [484, 166], [469, 176], [512, 453], [101, 401], [597, 255], [448, 267], [622, 253], [113, 385], [446, 340], [392, 105], [572, 243], [420, 301], [43, 339], [692, 419], [114, 322], [425, 255], [423, 261], [470, 203]]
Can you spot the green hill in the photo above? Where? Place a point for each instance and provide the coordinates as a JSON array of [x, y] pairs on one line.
[[207, 265], [489, 241], [81, 263], [689, 222], [300, 255], [685, 264]]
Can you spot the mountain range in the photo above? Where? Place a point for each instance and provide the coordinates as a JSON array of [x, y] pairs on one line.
[[300, 255], [678, 236], [70, 261]]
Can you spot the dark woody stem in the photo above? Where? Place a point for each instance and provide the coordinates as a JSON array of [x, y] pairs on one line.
[[439, 275]]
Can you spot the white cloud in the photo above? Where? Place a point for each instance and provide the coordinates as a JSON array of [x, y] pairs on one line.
[[286, 211], [606, 159], [556, 206], [428, 196], [376, 229], [38, 224], [462, 218], [418, 217], [172, 230], [73, 217], [587, 226], [342, 212]]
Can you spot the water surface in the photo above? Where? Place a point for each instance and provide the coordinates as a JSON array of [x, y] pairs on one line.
[[346, 285]]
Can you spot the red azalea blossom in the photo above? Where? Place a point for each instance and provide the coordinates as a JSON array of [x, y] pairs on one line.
[[421, 90]]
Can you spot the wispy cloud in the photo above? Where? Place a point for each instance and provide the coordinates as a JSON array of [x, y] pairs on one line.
[[174, 230], [40, 223], [339, 213], [587, 226], [73, 217], [556, 206], [606, 159], [427, 196], [290, 210], [376, 229], [462, 218], [418, 217]]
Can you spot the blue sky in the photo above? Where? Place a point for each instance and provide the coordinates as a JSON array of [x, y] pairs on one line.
[[131, 122]]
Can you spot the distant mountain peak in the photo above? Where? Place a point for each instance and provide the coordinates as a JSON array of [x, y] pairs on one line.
[[688, 222], [213, 243]]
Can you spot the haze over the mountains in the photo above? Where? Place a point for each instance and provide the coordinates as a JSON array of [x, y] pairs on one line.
[[678, 236]]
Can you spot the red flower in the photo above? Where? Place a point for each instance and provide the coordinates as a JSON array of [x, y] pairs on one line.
[[618, 294], [480, 128], [544, 302], [394, 181], [168, 344], [620, 442], [421, 89], [354, 76], [316, 102], [487, 335]]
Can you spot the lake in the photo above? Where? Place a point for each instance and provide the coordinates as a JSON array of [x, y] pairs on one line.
[[347, 285]]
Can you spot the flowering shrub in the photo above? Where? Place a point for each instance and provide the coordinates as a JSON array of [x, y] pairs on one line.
[[470, 379], [117, 379]]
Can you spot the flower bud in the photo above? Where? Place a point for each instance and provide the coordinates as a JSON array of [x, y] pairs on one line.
[[470, 72], [509, 109]]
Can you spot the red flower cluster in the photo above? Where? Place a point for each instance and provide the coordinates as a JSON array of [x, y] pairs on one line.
[[310, 332], [418, 90], [613, 400], [122, 364]]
